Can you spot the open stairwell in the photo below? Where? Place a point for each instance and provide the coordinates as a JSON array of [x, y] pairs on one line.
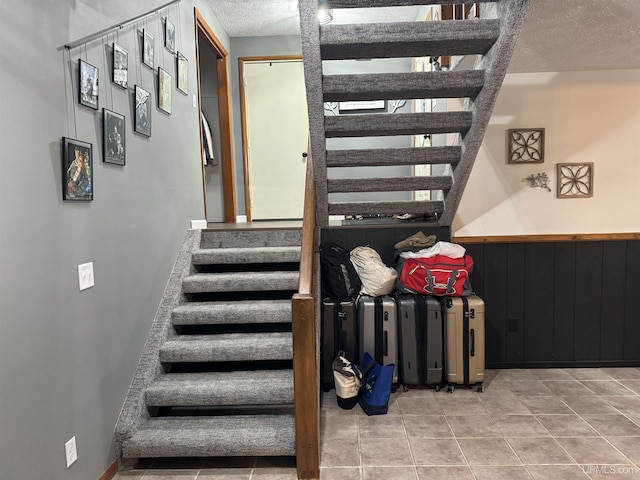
[[215, 378], [490, 39]]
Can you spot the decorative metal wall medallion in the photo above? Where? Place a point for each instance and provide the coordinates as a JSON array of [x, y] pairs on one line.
[[539, 180], [526, 145], [575, 180]]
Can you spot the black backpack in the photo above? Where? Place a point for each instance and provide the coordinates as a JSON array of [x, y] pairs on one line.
[[339, 278]]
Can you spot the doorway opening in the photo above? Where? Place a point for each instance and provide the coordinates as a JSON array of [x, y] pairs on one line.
[[214, 105]]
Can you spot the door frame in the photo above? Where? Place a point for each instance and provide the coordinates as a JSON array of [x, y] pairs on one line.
[[243, 114], [224, 112]]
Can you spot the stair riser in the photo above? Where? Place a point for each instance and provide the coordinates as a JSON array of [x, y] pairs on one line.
[[250, 238], [398, 184], [220, 257], [247, 284]]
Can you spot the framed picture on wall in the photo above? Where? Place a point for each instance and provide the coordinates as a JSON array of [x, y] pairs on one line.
[[77, 170], [113, 137], [142, 114], [88, 85], [147, 48], [169, 35], [183, 74], [164, 91], [120, 62]]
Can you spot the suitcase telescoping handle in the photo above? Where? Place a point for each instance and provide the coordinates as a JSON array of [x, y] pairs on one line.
[[385, 346], [472, 349]]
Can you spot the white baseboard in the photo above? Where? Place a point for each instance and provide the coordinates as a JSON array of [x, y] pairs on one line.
[[198, 224], [241, 219]]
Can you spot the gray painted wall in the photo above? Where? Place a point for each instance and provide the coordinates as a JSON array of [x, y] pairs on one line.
[[67, 357]]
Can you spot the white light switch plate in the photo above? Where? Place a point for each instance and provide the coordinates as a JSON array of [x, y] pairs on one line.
[[85, 276]]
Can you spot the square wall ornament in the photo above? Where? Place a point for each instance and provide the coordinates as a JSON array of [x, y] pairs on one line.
[[575, 180], [526, 145]]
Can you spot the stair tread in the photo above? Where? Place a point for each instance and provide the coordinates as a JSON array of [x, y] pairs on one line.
[[232, 312], [237, 435], [408, 39], [228, 347], [397, 124], [251, 237], [394, 3], [209, 256], [259, 387], [387, 208], [389, 184], [393, 156], [396, 86], [240, 281]]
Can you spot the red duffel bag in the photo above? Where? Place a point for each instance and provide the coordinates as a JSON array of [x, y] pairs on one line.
[[438, 275]]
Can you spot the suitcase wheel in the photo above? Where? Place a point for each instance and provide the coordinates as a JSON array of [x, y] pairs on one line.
[[405, 388], [394, 388], [436, 388], [450, 388], [480, 387]]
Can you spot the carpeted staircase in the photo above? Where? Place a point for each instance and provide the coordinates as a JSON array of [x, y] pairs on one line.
[[215, 377], [490, 39]]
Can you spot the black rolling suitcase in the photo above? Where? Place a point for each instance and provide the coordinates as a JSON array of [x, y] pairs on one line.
[[339, 332], [378, 330], [421, 340]]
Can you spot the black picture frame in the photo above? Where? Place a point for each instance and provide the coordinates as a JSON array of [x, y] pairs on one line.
[[148, 44], [113, 137], [77, 170], [88, 77], [164, 91], [142, 111], [182, 73], [120, 66], [169, 35]]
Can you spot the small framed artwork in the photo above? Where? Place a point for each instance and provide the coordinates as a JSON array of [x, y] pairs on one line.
[[169, 35], [142, 122], [575, 180], [113, 137], [120, 64], [183, 74], [88, 82], [164, 91], [147, 48], [526, 145], [77, 170]]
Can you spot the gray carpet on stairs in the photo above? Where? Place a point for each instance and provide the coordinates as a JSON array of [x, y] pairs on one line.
[[225, 256], [235, 312], [240, 282]]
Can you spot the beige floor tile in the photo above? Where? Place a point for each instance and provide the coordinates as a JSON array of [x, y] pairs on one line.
[[329, 406], [340, 453], [444, 473], [225, 474], [616, 472], [623, 373], [515, 374], [529, 388], [500, 473], [490, 451], [430, 426], [613, 425], [630, 446], [436, 452], [131, 475], [274, 474], [503, 405], [588, 373], [545, 405], [592, 451], [540, 451], [419, 405], [337, 473], [590, 404], [465, 426], [557, 472], [520, 426], [633, 385], [386, 473], [606, 387], [568, 388], [335, 427], [629, 405], [412, 392], [381, 426], [171, 475], [551, 374], [452, 405], [567, 426], [380, 452]]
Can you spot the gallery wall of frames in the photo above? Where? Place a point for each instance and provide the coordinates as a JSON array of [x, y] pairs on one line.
[[123, 67]]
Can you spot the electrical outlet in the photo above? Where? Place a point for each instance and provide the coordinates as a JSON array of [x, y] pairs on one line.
[[70, 451], [85, 276]]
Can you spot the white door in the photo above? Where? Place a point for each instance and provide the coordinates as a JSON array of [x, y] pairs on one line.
[[277, 134]]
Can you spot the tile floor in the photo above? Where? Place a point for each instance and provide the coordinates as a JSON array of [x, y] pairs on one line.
[[552, 424]]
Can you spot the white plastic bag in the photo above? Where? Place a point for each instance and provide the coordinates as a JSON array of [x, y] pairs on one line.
[[377, 279]]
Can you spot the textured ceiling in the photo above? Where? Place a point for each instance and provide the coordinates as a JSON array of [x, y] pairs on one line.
[[558, 35]]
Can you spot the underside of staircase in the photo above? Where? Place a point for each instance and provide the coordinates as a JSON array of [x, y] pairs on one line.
[[215, 378], [340, 170]]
